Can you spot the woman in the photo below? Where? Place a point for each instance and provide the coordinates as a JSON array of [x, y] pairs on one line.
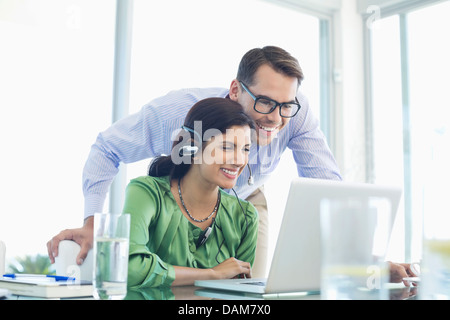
[[183, 226]]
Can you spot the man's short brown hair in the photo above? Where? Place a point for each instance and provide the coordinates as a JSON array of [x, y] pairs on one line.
[[279, 59]]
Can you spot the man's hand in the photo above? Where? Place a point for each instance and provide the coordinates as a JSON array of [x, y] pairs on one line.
[[83, 236], [398, 271]]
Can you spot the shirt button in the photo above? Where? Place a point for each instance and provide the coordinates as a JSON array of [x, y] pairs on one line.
[[192, 247], [196, 232]]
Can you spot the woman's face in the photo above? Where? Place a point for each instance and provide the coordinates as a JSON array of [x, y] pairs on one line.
[[225, 156]]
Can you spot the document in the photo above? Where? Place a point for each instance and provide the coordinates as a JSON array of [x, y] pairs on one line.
[[44, 286]]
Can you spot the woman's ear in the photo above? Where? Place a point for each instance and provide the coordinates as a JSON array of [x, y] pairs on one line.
[[235, 89]]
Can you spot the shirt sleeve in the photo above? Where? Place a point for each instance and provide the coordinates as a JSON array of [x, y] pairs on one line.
[[310, 149], [145, 269], [128, 140], [142, 135]]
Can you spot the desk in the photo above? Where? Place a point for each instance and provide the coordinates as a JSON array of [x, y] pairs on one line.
[[396, 292]]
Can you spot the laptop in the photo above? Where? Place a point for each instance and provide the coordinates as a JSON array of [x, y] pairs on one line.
[[296, 262]]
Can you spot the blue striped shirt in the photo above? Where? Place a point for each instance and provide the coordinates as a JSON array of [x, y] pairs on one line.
[[148, 133]]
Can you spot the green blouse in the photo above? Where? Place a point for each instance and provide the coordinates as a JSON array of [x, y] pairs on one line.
[[162, 237]]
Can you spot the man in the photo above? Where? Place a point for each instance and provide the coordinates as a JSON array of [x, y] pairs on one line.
[[267, 87]]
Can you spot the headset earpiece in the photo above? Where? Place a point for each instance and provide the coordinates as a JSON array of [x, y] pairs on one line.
[[188, 151], [192, 149]]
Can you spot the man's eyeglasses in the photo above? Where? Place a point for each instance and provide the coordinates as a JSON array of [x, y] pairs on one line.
[[266, 105]]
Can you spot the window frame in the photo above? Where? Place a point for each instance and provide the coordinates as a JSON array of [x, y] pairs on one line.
[[386, 9]]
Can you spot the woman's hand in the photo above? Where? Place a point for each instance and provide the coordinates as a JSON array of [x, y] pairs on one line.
[[232, 268], [228, 269]]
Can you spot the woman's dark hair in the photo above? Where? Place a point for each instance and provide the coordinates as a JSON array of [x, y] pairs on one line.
[[212, 113]]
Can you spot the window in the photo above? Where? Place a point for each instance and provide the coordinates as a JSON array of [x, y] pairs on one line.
[[429, 67], [56, 64], [387, 115], [56, 77], [410, 118]]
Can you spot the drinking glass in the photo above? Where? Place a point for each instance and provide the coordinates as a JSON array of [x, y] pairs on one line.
[[111, 247], [354, 238]]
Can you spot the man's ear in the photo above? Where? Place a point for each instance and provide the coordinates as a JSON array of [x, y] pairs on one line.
[[235, 89]]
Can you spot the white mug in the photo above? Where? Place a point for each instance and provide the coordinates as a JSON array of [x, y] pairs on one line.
[[65, 262]]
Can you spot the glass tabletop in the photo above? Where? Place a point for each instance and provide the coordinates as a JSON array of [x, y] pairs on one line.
[[396, 292]]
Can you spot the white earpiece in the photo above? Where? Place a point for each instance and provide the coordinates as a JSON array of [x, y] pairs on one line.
[[188, 151]]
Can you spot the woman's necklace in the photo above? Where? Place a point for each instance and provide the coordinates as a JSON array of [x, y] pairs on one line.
[[187, 211]]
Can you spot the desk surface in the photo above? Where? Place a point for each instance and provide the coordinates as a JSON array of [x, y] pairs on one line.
[[396, 292]]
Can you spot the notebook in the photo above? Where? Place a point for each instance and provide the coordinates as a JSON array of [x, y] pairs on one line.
[[46, 288], [296, 261]]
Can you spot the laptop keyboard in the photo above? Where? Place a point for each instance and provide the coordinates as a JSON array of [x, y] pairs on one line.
[[256, 283]]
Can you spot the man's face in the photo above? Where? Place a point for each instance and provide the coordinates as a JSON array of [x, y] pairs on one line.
[[270, 84]]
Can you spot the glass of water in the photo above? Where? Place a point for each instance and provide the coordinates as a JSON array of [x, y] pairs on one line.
[[435, 266], [111, 246], [354, 234]]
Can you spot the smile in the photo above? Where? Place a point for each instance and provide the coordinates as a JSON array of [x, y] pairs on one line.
[[268, 129], [230, 172]]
